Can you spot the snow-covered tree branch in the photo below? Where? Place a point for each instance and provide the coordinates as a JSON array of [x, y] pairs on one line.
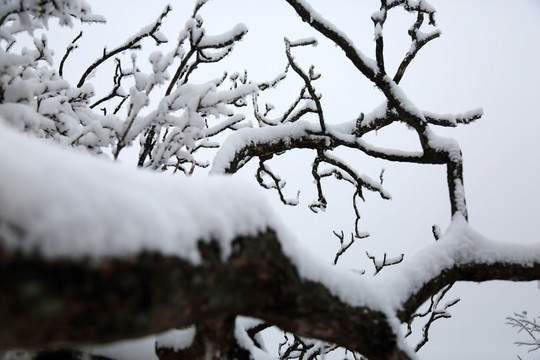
[[96, 253], [194, 270]]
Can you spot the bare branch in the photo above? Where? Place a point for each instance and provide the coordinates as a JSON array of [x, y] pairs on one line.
[[115, 92], [379, 265], [309, 86], [419, 39], [363, 63], [69, 49], [434, 314], [344, 247], [276, 184]]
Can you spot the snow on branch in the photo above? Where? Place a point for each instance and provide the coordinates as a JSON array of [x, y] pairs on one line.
[[396, 108], [185, 120], [247, 143], [299, 107], [276, 183], [452, 120], [461, 254], [343, 246], [418, 38], [308, 79], [72, 229], [386, 261], [201, 49], [225, 39]]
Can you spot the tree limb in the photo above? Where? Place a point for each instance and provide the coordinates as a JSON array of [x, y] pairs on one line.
[[79, 302]]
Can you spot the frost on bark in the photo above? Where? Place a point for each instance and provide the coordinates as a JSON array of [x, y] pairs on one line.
[[51, 304]]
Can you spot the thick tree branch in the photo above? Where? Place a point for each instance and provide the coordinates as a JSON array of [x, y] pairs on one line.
[[71, 300], [240, 147]]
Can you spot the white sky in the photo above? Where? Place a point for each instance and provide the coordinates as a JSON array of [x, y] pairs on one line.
[[488, 56]]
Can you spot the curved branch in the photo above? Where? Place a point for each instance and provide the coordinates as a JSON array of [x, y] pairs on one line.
[[463, 255], [476, 272], [276, 182], [418, 41], [69, 49]]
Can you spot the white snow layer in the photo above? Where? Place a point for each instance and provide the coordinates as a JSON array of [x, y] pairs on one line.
[[73, 205]]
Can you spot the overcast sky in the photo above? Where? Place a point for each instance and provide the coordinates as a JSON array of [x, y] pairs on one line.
[[488, 56]]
